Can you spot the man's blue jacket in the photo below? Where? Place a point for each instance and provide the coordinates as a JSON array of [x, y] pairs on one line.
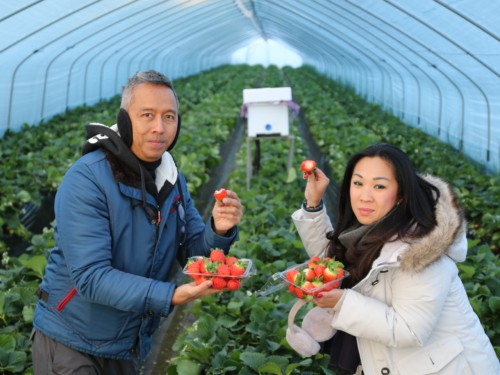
[[105, 284]]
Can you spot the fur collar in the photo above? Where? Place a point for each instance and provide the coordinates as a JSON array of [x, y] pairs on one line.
[[447, 238]]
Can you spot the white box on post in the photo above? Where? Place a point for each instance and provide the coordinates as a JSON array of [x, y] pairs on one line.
[[267, 111]]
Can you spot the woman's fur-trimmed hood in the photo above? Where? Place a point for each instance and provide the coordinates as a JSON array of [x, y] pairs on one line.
[[447, 238]]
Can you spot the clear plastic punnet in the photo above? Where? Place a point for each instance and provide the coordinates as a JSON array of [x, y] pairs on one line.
[[279, 280], [250, 269]]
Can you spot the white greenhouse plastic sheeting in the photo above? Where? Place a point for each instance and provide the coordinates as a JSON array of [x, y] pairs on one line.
[[435, 64]]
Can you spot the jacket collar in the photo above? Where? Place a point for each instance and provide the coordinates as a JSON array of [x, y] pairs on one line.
[[447, 238]]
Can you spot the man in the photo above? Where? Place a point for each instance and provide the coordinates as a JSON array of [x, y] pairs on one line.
[[123, 216]]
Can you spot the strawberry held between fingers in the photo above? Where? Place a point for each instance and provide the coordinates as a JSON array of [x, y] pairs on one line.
[[220, 194], [308, 167]]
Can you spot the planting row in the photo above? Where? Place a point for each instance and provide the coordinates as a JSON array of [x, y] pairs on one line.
[[54, 146]]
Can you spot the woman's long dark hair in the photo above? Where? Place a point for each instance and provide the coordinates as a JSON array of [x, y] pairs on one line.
[[413, 217]]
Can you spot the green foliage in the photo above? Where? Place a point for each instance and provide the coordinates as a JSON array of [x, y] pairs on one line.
[[240, 332]]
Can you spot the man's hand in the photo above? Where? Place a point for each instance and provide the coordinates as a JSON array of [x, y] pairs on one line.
[[189, 292], [227, 213], [317, 183]]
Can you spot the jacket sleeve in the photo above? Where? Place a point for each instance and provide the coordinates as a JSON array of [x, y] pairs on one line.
[[312, 228], [412, 314]]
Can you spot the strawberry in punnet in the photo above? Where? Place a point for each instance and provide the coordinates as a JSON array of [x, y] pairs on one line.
[[200, 279], [314, 261], [319, 269], [317, 282], [237, 269], [223, 270], [218, 282], [217, 255], [193, 268], [220, 194], [298, 292], [308, 288], [231, 260], [332, 274], [292, 275], [233, 284], [334, 270], [308, 274], [308, 167]]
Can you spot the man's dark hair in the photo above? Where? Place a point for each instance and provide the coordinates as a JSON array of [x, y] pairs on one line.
[[146, 76]]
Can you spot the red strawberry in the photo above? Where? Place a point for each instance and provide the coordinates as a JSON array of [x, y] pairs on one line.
[[298, 292], [308, 274], [233, 284], [217, 255], [291, 275], [332, 274], [200, 279], [319, 269], [231, 260], [307, 286], [218, 282], [193, 268], [220, 194], [318, 283], [308, 167], [307, 289], [314, 261], [223, 270], [237, 269]]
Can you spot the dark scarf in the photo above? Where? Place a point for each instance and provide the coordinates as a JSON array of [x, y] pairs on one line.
[[99, 135], [118, 151], [342, 347]]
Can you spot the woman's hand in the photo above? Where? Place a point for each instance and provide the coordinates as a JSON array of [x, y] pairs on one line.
[[227, 213], [188, 292], [317, 183], [328, 299]]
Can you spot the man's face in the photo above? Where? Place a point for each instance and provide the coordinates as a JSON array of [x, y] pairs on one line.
[[153, 112]]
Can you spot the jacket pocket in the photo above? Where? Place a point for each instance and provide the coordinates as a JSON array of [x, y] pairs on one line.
[[95, 322], [443, 356], [62, 304]]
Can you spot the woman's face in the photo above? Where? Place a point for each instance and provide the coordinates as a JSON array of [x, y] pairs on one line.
[[374, 189]]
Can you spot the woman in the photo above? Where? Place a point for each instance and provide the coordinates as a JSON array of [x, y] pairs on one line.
[[399, 235]]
